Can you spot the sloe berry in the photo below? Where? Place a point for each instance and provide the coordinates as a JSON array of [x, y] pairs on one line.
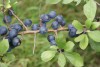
[[63, 23], [43, 30], [44, 18], [52, 14], [3, 30], [53, 42], [18, 27], [27, 22], [16, 41], [9, 12], [35, 27], [70, 26], [50, 37], [59, 18], [55, 25], [12, 33], [72, 32], [7, 19]]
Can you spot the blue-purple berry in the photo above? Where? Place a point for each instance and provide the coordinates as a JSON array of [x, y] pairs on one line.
[[53, 42], [63, 23], [12, 33], [50, 38], [43, 30], [3, 30], [17, 26], [7, 19], [35, 27], [59, 18], [72, 30], [44, 18], [16, 41], [52, 14], [55, 25], [10, 12], [27, 22]]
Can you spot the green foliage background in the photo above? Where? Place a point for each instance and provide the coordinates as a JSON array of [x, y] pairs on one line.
[[33, 9]]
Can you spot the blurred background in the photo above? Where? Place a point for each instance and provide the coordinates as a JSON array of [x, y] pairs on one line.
[[32, 9]]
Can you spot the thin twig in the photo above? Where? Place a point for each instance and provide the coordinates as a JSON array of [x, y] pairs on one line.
[[33, 32], [18, 19], [34, 43]]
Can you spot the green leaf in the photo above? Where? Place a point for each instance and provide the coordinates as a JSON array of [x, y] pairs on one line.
[[8, 57], [95, 45], [75, 59], [78, 1], [79, 38], [52, 1], [53, 47], [94, 35], [95, 25], [78, 26], [61, 60], [88, 23], [7, 5], [3, 65], [69, 46], [61, 40], [84, 42], [47, 55], [4, 45], [67, 1], [90, 9]]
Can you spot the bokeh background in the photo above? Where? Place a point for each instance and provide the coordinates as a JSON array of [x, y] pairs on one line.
[[32, 9]]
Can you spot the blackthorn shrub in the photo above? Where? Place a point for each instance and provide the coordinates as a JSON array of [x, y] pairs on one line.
[[10, 36]]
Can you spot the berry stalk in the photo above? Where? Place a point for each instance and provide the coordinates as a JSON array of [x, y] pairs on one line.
[[18, 19]]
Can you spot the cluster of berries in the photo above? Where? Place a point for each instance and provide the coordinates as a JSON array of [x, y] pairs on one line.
[[12, 31], [58, 20]]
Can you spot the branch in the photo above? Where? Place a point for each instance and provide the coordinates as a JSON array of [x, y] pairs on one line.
[[18, 19], [33, 32]]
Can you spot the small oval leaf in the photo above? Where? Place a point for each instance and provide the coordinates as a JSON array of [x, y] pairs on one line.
[[4, 45], [88, 23], [90, 9], [75, 59], [84, 42], [95, 45], [95, 25], [47, 55], [61, 60], [94, 35], [69, 46], [79, 38], [78, 26]]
